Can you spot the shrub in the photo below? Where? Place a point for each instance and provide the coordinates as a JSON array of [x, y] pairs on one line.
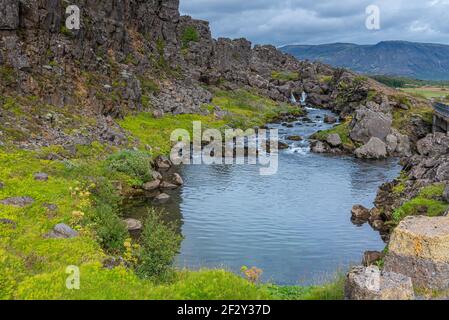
[[111, 232], [189, 35], [135, 164], [159, 245]]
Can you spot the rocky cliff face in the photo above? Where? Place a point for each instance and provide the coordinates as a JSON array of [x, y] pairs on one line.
[[141, 55]]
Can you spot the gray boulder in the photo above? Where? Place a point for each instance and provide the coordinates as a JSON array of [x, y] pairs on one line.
[[318, 147], [369, 283], [334, 140], [374, 149], [133, 224], [368, 123], [61, 231], [17, 201]]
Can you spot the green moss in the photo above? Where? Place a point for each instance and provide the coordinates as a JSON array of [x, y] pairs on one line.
[[341, 129], [8, 75], [427, 202], [285, 75], [65, 31]]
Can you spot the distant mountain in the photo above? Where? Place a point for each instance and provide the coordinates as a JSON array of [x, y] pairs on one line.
[[425, 61]]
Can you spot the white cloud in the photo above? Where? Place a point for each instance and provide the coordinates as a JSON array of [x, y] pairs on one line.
[[312, 22]]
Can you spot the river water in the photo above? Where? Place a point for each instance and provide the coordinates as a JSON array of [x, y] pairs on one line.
[[294, 225]]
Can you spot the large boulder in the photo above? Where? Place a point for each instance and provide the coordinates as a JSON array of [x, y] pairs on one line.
[[61, 231], [369, 283], [9, 13], [334, 140], [368, 123], [374, 149], [419, 248]]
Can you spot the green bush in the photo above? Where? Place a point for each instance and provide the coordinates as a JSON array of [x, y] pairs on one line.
[[190, 34], [159, 245], [136, 164], [110, 231]]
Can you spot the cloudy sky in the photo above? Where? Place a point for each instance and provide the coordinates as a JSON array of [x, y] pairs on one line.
[[281, 22]]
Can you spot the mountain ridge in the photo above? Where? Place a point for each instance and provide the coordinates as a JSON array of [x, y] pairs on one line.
[[427, 61]]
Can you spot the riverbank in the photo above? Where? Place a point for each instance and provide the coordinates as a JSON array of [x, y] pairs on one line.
[[75, 187]]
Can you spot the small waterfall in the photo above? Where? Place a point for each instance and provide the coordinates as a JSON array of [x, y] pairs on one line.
[[293, 99], [303, 98]]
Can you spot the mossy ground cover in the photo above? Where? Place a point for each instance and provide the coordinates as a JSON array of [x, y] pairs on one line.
[[341, 129], [33, 266], [427, 202]]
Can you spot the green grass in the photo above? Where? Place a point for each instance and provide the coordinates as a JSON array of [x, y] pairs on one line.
[[427, 202], [33, 267], [428, 92], [285, 75], [402, 118], [341, 129], [190, 34], [246, 110]]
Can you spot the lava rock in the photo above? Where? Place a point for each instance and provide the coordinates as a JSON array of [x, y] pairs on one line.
[[152, 185], [369, 283], [61, 231], [17, 201], [133, 224]]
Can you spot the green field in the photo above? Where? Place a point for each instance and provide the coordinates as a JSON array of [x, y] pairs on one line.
[[429, 92]]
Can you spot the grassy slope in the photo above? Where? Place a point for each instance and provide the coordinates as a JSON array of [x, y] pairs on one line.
[[32, 267]]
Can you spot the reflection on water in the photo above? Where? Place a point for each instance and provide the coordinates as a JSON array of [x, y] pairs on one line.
[[294, 225]]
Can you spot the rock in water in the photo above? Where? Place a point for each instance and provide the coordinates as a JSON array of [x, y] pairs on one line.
[[369, 283], [163, 197], [133, 224], [330, 119], [295, 138], [177, 179], [374, 149], [419, 248], [162, 162], [318, 147], [168, 185], [360, 213], [152, 185], [368, 124], [334, 140]]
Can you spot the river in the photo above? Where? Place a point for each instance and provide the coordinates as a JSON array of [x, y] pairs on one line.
[[294, 225]]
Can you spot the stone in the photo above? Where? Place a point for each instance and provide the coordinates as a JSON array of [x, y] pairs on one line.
[[282, 145], [369, 283], [177, 179], [162, 197], [419, 248], [392, 143], [2, 185], [330, 119], [61, 231], [17, 201], [295, 138], [318, 147], [9, 13], [9, 222], [152, 185], [168, 185], [50, 206], [374, 149], [133, 224], [162, 162], [156, 175], [371, 257], [41, 176], [360, 213], [334, 140], [368, 124]]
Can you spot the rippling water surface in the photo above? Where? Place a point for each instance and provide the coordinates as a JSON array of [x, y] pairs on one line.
[[294, 225]]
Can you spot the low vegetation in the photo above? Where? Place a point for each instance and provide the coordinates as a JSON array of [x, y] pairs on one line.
[[428, 202], [341, 129], [285, 75]]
